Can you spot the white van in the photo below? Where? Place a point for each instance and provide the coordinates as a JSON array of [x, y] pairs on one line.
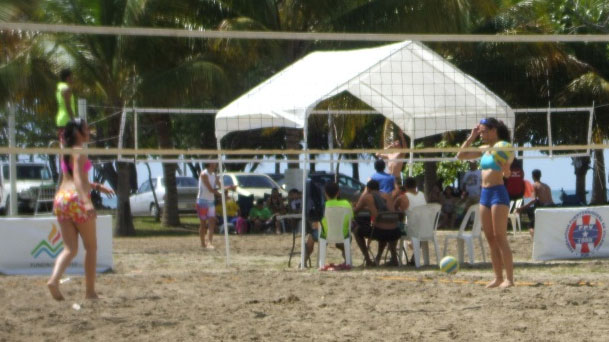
[[30, 176]]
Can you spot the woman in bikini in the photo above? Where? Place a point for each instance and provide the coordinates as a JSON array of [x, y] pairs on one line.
[[74, 209], [494, 198]]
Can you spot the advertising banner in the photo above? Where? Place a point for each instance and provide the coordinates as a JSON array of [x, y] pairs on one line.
[[31, 245], [571, 233]]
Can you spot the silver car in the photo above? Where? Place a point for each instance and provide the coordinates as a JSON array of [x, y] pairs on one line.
[[142, 202], [30, 177], [259, 185]]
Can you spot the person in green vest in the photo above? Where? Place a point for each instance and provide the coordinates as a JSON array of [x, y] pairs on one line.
[[332, 192], [66, 104]]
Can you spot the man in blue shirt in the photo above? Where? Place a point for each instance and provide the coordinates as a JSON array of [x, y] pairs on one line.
[[385, 180]]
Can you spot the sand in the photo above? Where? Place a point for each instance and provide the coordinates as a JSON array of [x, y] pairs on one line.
[[169, 289]]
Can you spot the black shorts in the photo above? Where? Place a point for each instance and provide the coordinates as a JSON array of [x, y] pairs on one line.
[[385, 235]]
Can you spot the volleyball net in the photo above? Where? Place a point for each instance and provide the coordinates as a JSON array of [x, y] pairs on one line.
[[295, 100]]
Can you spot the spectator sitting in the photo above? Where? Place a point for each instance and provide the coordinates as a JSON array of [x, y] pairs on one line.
[[415, 197], [543, 198], [515, 182], [232, 211], [386, 181], [260, 217], [471, 185], [436, 195], [277, 207], [332, 193], [374, 201], [294, 207], [448, 213]]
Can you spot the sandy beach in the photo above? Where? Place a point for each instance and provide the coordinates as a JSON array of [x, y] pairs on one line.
[[168, 288]]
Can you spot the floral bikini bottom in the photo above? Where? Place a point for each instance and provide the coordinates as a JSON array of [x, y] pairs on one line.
[[68, 207]]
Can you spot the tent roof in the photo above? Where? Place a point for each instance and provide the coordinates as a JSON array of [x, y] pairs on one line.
[[407, 82]]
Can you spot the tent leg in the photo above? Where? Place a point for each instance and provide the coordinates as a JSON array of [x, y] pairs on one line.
[[411, 157], [304, 194], [225, 218]]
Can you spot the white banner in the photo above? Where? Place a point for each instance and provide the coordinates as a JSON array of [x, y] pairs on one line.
[[571, 233], [31, 245]]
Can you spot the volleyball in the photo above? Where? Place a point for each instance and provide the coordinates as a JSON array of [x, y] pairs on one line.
[[449, 265], [502, 156]]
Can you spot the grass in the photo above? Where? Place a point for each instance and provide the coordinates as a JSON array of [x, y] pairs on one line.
[[147, 226]]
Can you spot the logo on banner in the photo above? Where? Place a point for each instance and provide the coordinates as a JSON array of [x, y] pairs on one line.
[[52, 246], [585, 233]]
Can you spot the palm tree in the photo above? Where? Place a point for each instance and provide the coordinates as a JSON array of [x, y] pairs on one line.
[[27, 80]]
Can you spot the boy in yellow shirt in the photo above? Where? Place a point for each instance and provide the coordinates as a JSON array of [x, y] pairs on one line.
[[232, 212]]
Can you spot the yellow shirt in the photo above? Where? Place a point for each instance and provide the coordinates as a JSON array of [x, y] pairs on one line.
[[232, 209]]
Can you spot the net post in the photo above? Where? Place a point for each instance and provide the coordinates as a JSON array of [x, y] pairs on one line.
[[411, 157], [331, 140], [550, 144], [13, 161], [223, 196], [303, 223]]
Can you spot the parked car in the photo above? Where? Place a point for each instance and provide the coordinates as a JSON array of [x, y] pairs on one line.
[[350, 188], [249, 184], [30, 177], [142, 202], [279, 178]]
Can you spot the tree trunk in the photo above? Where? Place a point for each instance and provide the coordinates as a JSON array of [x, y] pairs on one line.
[[124, 222], [581, 165], [599, 187], [430, 170], [171, 215], [355, 170], [53, 166], [121, 178]]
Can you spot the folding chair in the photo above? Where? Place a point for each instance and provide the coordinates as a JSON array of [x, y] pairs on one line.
[[462, 237], [514, 216], [335, 228], [391, 218], [422, 222]]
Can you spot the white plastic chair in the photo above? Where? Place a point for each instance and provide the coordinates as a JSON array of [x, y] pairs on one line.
[[422, 222], [468, 238], [335, 229], [514, 216]]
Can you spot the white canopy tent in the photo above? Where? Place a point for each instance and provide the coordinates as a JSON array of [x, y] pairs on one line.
[[417, 89]]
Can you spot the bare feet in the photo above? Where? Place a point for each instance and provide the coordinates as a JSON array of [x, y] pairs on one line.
[[506, 284], [494, 283], [210, 247], [55, 293]]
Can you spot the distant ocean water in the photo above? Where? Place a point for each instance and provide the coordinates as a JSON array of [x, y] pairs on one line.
[[111, 202], [556, 195]]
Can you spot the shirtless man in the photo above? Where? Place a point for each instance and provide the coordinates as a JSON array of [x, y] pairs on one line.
[[394, 166], [543, 198], [374, 202]]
